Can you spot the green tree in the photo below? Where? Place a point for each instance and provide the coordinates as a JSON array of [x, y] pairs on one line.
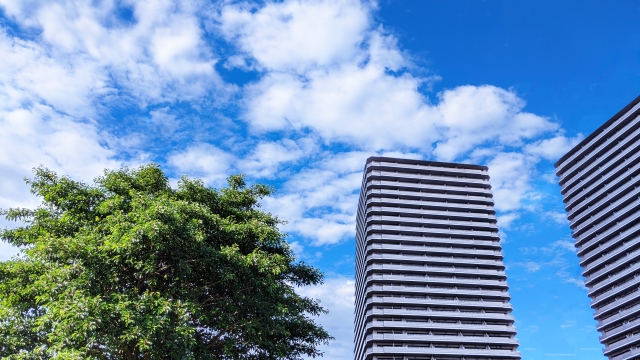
[[130, 268]]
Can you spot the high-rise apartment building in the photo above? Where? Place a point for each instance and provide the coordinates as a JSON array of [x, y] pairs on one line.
[[430, 282], [600, 180]]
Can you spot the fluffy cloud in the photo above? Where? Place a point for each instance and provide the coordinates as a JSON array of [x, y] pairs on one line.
[[338, 296], [297, 35], [320, 202], [203, 161], [151, 50]]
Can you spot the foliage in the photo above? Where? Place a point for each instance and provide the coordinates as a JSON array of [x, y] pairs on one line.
[[130, 268]]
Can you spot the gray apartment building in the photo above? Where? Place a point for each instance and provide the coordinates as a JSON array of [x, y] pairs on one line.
[[430, 281], [600, 181]]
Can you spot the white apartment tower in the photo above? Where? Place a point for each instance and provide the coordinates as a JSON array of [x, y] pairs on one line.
[[430, 282], [600, 181]]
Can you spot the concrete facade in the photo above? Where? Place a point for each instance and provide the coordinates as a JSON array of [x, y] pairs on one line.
[[430, 281], [600, 181]]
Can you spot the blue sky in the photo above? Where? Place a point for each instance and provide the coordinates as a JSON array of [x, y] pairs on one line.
[[298, 94]]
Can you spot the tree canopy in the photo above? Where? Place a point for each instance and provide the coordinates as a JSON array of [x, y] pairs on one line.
[[130, 268]]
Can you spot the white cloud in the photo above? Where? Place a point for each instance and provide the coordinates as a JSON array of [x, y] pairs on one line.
[[320, 201], [267, 157], [338, 296], [297, 35], [559, 217], [529, 266], [473, 115], [510, 175], [204, 161], [553, 148], [160, 55], [505, 220]]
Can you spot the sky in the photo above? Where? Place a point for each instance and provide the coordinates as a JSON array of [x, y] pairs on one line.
[[297, 94]]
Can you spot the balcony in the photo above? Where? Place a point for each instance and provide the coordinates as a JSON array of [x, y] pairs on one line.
[[591, 182], [433, 240], [613, 279], [603, 221], [408, 290], [480, 191], [445, 179], [431, 230], [621, 344], [620, 237], [612, 267], [621, 315], [427, 195], [616, 228], [390, 351], [615, 305], [429, 212], [437, 270], [563, 168], [451, 315], [434, 260], [437, 280], [616, 252], [432, 204], [427, 249], [485, 304], [408, 338], [455, 171], [615, 291], [585, 201], [629, 141]]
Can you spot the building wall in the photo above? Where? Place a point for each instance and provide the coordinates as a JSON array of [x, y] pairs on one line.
[[600, 181], [430, 281]]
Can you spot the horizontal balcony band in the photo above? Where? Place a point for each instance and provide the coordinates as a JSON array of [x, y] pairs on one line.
[[444, 179], [425, 325], [437, 270], [399, 211], [628, 341], [441, 170], [407, 338], [602, 256], [614, 208], [494, 354], [483, 235], [434, 240], [468, 225], [607, 295], [426, 249], [563, 167], [597, 286], [602, 310], [435, 260], [407, 290], [431, 204], [480, 191], [433, 196], [606, 223], [435, 281], [623, 248], [447, 315], [627, 143], [606, 322], [632, 229], [579, 214], [609, 233], [388, 300], [609, 267], [632, 354], [606, 335], [596, 183]]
